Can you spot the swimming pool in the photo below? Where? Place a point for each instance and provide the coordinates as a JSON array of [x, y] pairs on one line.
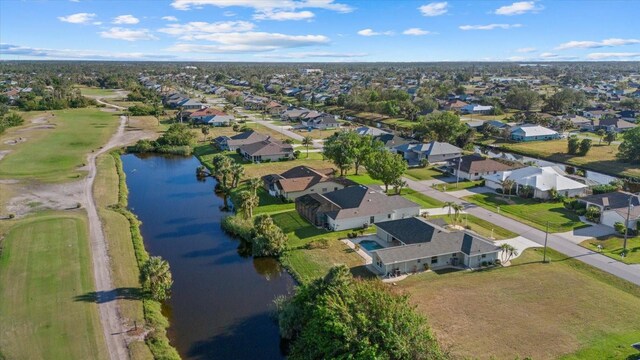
[[370, 245]]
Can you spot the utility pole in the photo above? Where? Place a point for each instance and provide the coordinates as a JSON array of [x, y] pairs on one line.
[[458, 173], [626, 228], [546, 236]]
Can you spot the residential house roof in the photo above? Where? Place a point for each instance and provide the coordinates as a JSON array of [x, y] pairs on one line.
[[534, 130], [267, 147], [302, 177], [479, 164], [430, 148], [542, 178], [616, 201], [616, 122]]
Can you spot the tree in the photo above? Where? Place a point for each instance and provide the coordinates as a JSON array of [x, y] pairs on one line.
[[268, 238], [507, 186], [573, 144], [564, 100], [254, 184], [398, 185], [508, 251], [449, 204], [339, 148], [585, 146], [522, 98], [386, 167], [441, 126], [155, 277], [248, 202], [363, 147], [205, 131], [307, 141], [601, 133], [629, 149], [237, 170], [340, 317], [457, 209], [610, 137]]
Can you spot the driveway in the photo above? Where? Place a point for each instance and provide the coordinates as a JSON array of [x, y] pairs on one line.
[[472, 191], [520, 243]]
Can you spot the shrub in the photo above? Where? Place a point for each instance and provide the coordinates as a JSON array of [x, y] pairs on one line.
[[237, 226], [318, 244], [619, 227]]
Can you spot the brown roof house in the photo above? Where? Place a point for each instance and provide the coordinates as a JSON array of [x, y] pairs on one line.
[[354, 207], [302, 180], [614, 207], [474, 167], [269, 149]]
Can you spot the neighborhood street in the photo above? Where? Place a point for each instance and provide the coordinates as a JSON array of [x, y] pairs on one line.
[[281, 129], [558, 242]]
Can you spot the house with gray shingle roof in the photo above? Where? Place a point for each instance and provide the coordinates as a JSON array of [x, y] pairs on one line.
[[414, 244], [433, 152], [266, 150]]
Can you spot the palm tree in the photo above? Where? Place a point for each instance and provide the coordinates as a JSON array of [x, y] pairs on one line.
[[457, 208], [448, 204], [205, 131], [248, 202], [398, 185], [508, 251], [507, 185], [254, 185], [307, 141], [601, 133], [155, 277], [237, 170]]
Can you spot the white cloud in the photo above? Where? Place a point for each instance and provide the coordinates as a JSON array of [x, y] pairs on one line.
[[416, 32], [127, 34], [490, 26], [169, 18], [370, 32], [241, 42], [516, 58], [612, 56], [262, 5], [434, 9], [190, 30], [311, 54], [518, 8], [597, 44], [126, 19], [64, 54], [552, 56], [284, 15], [79, 18], [526, 50], [228, 13]]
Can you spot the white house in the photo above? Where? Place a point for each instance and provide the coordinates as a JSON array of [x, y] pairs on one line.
[[476, 109], [533, 133], [541, 179]]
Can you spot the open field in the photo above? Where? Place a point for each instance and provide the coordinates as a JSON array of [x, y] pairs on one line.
[[530, 212], [308, 264], [96, 92], [544, 311], [316, 134], [600, 157], [612, 247], [480, 226], [46, 281], [55, 151], [125, 270], [425, 173]]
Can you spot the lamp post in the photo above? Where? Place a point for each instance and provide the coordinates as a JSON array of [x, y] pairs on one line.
[[458, 173], [626, 227], [546, 236]]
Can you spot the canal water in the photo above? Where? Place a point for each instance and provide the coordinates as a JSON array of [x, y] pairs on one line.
[[222, 302]]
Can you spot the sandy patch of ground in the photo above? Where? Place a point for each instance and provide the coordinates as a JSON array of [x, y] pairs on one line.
[[40, 120], [15, 141], [4, 153], [33, 198]]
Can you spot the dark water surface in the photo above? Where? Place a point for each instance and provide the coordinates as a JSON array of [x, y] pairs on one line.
[[221, 302]]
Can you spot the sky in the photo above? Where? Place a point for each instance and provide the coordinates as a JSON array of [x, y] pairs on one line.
[[320, 30]]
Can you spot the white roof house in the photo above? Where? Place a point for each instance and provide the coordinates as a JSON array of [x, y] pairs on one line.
[[532, 133], [541, 179], [476, 109]]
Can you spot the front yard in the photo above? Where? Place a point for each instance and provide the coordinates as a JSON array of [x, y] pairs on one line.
[[564, 309], [530, 212], [425, 173], [480, 226], [612, 247]]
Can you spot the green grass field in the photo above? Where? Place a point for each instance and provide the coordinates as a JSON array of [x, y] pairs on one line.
[[612, 247], [45, 275], [96, 92], [462, 185], [54, 155], [425, 173], [480, 226], [564, 309], [530, 212], [421, 199], [308, 264], [364, 179]]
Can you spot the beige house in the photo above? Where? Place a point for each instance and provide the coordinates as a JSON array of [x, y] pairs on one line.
[[302, 180]]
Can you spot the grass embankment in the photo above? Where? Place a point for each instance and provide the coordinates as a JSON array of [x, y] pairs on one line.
[[612, 247], [530, 212], [600, 158], [564, 309], [53, 152], [305, 262], [481, 227], [45, 281], [157, 340]]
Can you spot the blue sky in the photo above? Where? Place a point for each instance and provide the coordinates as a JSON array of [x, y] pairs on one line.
[[320, 30]]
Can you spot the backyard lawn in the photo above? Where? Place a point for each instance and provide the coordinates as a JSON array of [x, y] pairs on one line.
[[45, 275], [74, 134], [612, 247], [425, 173], [563, 309], [308, 264], [530, 212], [364, 179], [480, 226]]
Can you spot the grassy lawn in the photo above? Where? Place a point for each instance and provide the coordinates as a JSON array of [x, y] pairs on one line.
[[116, 227], [364, 179], [612, 247], [309, 264], [54, 155], [480, 226], [599, 158], [45, 275], [564, 309], [92, 91], [462, 185], [316, 134], [423, 200], [530, 212], [425, 173]]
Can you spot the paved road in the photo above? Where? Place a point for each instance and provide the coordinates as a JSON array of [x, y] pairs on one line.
[[555, 241]]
